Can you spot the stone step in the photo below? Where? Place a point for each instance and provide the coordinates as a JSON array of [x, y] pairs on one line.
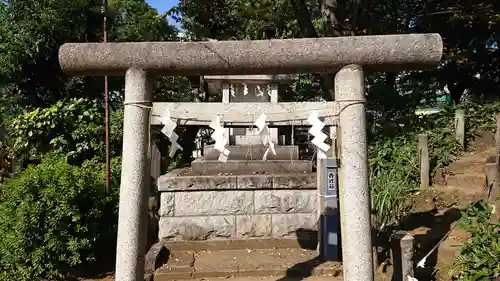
[[245, 263], [466, 180], [253, 152], [242, 244], [187, 180], [214, 167]]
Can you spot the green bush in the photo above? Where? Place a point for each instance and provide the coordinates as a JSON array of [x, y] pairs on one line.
[[72, 128], [6, 158], [479, 257], [55, 216]]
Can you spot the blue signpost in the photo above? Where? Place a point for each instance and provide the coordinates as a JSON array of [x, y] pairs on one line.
[[330, 219]]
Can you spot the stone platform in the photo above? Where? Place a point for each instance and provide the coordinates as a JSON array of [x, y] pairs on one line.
[[298, 263], [236, 206], [239, 200], [214, 167]]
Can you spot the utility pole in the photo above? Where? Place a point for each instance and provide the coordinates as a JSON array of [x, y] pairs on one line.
[[106, 97]]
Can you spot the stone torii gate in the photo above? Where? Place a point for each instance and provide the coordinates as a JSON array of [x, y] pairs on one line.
[[346, 55]]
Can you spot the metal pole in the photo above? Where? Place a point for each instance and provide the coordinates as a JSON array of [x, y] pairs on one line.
[[106, 99], [353, 189], [135, 177]]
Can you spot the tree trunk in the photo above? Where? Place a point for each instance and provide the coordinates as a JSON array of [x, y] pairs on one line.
[[329, 8], [456, 92], [308, 31], [303, 19]]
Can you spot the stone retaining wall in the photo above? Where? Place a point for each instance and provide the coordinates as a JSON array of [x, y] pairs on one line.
[[236, 211]]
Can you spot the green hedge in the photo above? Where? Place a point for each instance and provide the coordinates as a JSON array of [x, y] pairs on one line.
[[55, 216], [73, 128]]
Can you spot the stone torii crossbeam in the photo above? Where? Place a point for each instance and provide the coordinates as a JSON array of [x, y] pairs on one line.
[[346, 55]]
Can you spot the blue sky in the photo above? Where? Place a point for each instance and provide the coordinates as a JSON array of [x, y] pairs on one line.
[[163, 6]]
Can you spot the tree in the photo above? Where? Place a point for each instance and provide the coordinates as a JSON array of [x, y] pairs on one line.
[[467, 28], [33, 31], [31, 79]]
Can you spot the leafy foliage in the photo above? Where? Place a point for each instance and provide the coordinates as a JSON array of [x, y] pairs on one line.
[[238, 20], [55, 216], [32, 31], [394, 162], [72, 128], [6, 158], [135, 21], [479, 257], [481, 116]]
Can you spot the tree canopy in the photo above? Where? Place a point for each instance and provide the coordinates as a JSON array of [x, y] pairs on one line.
[[469, 30], [32, 31]]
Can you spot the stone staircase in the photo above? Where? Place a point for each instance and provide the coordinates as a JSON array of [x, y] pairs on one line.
[[243, 217], [454, 187], [464, 180]]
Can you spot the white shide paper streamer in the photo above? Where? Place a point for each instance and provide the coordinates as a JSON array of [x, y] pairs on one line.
[[232, 91], [259, 91], [169, 131], [265, 135], [245, 89], [220, 138], [317, 133]]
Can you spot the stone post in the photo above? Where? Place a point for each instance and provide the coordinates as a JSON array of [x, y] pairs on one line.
[[423, 155], [353, 188], [226, 93], [460, 127], [274, 99], [135, 178], [402, 253]]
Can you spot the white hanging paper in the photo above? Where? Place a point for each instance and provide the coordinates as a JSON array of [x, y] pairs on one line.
[[221, 140], [245, 89], [317, 133], [232, 91], [169, 131], [260, 93], [265, 135]]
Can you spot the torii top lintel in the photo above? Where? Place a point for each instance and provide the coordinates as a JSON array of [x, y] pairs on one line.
[[284, 56]]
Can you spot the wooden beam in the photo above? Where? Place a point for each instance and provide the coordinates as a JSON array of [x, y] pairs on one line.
[[244, 113]]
